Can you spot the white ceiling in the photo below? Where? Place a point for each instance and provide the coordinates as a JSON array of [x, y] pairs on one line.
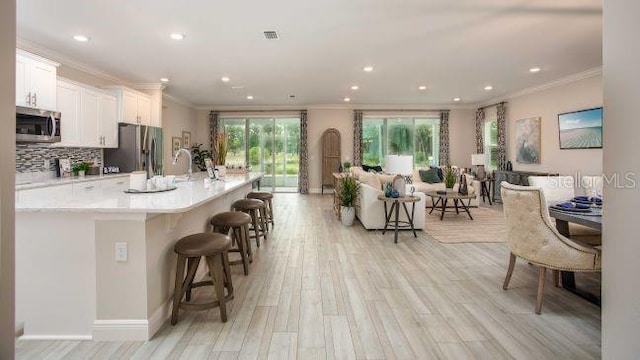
[[454, 47]]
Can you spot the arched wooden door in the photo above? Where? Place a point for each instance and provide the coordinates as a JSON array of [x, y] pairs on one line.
[[331, 156]]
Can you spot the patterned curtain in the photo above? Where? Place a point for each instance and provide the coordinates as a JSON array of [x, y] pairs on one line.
[[502, 136], [357, 138], [303, 174], [213, 134], [444, 137], [480, 131]]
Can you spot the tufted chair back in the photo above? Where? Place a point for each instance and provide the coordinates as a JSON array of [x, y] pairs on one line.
[[555, 188], [532, 236]]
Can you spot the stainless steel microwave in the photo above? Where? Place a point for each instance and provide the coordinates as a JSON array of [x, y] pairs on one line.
[[35, 125]]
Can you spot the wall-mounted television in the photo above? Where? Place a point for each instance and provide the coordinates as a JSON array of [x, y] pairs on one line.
[[581, 129]]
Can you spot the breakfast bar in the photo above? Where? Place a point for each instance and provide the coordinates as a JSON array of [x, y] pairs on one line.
[[94, 262]]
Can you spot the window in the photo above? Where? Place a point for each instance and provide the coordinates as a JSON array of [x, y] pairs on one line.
[[270, 145], [491, 143], [419, 137]]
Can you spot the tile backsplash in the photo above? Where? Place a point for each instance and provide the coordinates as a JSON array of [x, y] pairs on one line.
[[30, 157]]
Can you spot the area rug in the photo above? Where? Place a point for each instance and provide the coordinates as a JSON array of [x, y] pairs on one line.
[[488, 225]]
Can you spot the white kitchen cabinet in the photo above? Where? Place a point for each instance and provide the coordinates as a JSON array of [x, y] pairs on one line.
[[108, 124], [68, 99], [35, 81], [135, 107], [89, 110], [89, 116]]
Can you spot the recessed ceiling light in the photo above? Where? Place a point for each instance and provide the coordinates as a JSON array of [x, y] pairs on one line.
[[177, 36], [368, 68], [456, 99], [355, 87], [249, 97], [81, 38], [422, 87], [347, 99], [488, 87], [225, 79], [164, 79], [535, 69]]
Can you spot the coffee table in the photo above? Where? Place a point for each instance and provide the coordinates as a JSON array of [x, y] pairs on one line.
[[443, 198], [395, 205]]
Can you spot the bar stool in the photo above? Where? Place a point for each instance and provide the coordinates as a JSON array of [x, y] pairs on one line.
[[237, 223], [256, 209], [267, 198], [214, 247]]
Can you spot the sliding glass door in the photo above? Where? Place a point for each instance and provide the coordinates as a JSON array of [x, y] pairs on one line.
[[271, 145]]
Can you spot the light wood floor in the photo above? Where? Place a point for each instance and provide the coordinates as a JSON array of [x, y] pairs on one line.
[[320, 290]]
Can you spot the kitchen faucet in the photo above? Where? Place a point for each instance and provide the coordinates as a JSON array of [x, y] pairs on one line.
[[175, 161]]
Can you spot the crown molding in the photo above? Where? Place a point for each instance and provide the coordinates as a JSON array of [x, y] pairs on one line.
[[349, 107], [180, 101], [149, 86], [597, 71], [45, 52]]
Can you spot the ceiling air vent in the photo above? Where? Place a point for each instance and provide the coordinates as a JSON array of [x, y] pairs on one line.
[[271, 35]]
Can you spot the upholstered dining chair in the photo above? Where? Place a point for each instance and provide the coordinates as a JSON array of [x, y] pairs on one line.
[[532, 237], [562, 188]]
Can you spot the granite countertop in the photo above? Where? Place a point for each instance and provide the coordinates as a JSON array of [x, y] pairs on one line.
[[111, 198], [56, 181]]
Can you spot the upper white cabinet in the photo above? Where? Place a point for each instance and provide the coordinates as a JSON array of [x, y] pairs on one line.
[[135, 107], [35, 81], [89, 116]]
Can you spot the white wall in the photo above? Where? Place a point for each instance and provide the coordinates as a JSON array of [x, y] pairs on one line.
[[547, 104], [462, 136], [7, 178], [176, 118], [620, 291]]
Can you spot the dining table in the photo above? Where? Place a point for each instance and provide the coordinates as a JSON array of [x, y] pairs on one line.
[[591, 219]]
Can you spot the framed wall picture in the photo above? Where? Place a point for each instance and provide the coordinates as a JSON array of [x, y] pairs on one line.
[[186, 140], [528, 141], [581, 129], [176, 144]]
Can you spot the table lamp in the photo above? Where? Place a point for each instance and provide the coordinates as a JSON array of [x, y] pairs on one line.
[[401, 165], [479, 161]]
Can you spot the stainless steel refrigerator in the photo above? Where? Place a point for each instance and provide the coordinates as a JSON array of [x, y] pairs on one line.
[[139, 148]]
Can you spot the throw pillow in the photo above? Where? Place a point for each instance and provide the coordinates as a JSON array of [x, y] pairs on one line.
[[439, 171], [368, 168], [429, 176], [371, 180]]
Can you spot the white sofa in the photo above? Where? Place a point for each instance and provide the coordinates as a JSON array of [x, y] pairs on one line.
[[472, 184], [370, 210]]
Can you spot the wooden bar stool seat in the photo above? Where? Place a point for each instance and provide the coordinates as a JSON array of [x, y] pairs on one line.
[[214, 248], [267, 198], [236, 223], [255, 208]]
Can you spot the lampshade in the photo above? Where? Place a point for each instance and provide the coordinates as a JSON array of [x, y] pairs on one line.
[[400, 164], [478, 159]]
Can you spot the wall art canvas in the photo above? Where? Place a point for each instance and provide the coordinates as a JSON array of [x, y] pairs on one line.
[[581, 129], [186, 139], [176, 144], [528, 141]]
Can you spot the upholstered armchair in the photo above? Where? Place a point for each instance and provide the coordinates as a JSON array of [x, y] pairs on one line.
[[531, 236], [562, 188]]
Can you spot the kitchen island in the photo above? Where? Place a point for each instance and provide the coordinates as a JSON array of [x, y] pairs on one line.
[[93, 262]]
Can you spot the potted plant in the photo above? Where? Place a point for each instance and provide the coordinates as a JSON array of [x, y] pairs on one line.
[[347, 167], [348, 193], [81, 168], [199, 156], [450, 177], [221, 152]]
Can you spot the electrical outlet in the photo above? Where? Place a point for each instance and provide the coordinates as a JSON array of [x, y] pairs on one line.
[[121, 253], [47, 164]]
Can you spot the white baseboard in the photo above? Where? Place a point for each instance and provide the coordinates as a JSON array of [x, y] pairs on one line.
[[55, 337], [132, 329]]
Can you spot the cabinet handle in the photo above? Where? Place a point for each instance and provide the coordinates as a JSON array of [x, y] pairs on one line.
[[29, 99], [90, 187], [35, 100]]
